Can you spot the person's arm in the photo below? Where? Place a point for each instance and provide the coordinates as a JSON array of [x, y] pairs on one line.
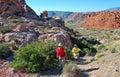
[[79, 50]]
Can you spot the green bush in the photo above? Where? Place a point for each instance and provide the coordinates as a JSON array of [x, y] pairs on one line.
[[87, 51], [36, 56], [6, 29], [69, 53], [4, 51]]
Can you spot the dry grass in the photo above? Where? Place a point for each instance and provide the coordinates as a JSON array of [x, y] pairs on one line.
[[71, 70]]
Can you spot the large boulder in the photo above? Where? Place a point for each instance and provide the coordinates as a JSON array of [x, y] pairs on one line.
[[60, 36], [16, 7], [63, 38]]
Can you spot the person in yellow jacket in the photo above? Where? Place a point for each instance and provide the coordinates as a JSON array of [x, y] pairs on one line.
[[75, 52]]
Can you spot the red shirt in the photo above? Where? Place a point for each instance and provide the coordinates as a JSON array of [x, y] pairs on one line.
[[61, 53]]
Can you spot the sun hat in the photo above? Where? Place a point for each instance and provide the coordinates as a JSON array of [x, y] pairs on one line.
[[75, 45], [59, 44]]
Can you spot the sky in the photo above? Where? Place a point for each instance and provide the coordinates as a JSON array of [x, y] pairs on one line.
[[72, 5]]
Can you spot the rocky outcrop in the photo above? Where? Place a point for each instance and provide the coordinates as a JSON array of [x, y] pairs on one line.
[[7, 71], [76, 18], [20, 39], [24, 30], [16, 7], [57, 35], [103, 21], [44, 14]]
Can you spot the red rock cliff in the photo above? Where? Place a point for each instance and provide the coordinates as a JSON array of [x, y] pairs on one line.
[[103, 21]]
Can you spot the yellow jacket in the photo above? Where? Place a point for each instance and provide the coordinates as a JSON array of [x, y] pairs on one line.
[[75, 51]]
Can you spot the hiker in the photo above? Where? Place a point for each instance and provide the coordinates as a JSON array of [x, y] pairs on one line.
[[61, 54], [75, 52]]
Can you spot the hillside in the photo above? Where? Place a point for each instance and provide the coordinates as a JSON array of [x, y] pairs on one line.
[[103, 21], [106, 18]]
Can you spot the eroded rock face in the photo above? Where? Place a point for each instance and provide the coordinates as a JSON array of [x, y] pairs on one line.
[[16, 7], [58, 36], [103, 21], [63, 38]]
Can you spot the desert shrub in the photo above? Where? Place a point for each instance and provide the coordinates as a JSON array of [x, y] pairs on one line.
[[36, 56], [19, 20], [71, 70], [4, 51], [6, 29], [57, 28], [101, 47], [87, 51], [112, 50]]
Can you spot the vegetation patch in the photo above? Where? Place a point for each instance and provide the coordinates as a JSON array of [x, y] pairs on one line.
[[71, 70], [4, 51], [6, 29], [36, 56]]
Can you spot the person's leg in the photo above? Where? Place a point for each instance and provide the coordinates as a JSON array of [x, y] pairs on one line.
[[61, 61], [76, 59]]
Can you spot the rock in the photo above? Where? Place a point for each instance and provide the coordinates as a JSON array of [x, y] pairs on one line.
[[21, 28], [57, 17], [21, 38], [63, 38], [44, 14], [16, 7], [58, 36], [7, 37]]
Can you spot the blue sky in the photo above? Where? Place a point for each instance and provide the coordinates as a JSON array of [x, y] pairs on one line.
[[72, 5]]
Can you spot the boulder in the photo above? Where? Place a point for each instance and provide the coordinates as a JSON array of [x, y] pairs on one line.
[[63, 38]]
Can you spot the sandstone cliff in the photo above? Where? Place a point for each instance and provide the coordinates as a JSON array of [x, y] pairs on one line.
[[16, 7], [103, 21]]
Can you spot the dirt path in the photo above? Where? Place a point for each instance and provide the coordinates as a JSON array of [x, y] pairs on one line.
[[87, 67], [85, 64]]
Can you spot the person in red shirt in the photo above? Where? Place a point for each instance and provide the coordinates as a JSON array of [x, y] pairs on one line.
[[61, 54]]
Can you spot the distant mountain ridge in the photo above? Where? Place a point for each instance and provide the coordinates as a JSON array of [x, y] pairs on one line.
[[113, 9], [63, 14], [66, 14]]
